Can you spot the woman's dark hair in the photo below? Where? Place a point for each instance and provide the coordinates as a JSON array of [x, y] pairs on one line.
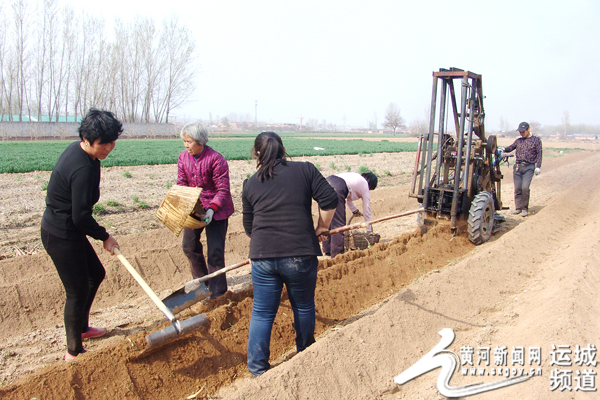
[[371, 179], [268, 148], [101, 125]]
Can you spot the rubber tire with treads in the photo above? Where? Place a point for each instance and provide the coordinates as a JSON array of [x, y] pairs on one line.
[[481, 218]]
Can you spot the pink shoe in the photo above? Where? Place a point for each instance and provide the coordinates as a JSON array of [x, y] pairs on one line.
[[93, 333], [69, 357]]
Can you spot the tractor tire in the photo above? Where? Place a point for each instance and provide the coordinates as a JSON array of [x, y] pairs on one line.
[[481, 218]]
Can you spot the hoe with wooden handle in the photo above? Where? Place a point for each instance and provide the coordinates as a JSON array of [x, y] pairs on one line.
[[177, 328]]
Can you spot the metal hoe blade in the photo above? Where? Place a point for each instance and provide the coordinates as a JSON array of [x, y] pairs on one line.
[[175, 331], [181, 299]]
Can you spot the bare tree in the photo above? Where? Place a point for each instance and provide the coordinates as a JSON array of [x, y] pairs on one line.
[[312, 124], [566, 124], [418, 127], [4, 57], [69, 46], [535, 127], [179, 73], [504, 125], [42, 52], [151, 66], [373, 123], [55, 62], [393, 120], [21, 52]]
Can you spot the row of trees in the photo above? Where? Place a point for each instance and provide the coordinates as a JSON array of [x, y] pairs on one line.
[[54, 62]]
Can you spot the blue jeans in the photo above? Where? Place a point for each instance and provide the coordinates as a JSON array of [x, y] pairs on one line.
[[268, 276]]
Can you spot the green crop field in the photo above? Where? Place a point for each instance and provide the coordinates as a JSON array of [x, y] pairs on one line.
[[42, 155]]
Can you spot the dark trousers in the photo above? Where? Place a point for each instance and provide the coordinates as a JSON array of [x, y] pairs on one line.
[[81, 273], [216, 232], [334, 244], [522, 176]]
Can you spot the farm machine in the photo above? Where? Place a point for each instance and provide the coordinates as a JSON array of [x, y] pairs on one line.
[[457, 171]]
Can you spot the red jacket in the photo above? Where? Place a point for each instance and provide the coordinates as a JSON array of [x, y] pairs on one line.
[[211, 173]]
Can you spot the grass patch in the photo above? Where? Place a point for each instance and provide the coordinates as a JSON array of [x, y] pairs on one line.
[[98, 209]]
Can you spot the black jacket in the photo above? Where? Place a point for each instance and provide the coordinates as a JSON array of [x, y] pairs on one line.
[[73, 190], [277, 212]]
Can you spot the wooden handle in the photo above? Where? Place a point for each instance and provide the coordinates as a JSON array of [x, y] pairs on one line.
[[193, 284], [165, 310], [365, 224]]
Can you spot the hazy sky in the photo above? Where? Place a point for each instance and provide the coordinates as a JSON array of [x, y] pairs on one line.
[[347, 60]]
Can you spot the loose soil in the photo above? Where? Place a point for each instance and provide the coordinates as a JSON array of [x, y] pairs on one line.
[[378, 310]]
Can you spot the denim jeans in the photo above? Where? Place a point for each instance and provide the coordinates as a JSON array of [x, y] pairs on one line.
[[268, 276]]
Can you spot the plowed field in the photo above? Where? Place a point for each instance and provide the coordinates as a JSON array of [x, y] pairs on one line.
[[378, 310]]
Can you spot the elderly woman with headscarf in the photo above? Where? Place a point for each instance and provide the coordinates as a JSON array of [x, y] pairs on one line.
[[201, 166]]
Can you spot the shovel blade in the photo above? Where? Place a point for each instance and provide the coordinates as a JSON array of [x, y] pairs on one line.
[[169, 334], [180, 300]]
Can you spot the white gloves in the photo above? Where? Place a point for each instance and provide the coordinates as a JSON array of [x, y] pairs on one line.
[[208, 216], [537, 171]]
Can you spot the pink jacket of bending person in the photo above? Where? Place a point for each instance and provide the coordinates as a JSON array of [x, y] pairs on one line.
[[211, 173], [358, 188]]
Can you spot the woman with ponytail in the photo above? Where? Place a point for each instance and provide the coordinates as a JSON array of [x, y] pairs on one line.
[[284, 243]]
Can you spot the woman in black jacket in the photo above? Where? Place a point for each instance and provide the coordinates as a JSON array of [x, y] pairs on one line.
[[73, 190], [284, 244]]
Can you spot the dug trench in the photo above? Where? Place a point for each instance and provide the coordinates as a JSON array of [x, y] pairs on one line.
[[214, 355]]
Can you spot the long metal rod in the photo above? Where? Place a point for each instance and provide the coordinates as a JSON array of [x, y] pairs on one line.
[[441, 132], [461, 140], [429, 145], [416, 169], [466, 182]]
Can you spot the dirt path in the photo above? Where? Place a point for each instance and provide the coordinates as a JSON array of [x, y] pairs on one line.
[[379, 310]]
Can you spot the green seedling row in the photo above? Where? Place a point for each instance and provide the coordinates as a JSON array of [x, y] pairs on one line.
[[42, 155]]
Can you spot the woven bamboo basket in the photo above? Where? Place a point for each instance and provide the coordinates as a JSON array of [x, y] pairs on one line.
[[178, 207], [359, 240]]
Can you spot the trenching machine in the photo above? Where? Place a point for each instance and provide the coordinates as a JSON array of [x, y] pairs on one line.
[[457, 173]]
